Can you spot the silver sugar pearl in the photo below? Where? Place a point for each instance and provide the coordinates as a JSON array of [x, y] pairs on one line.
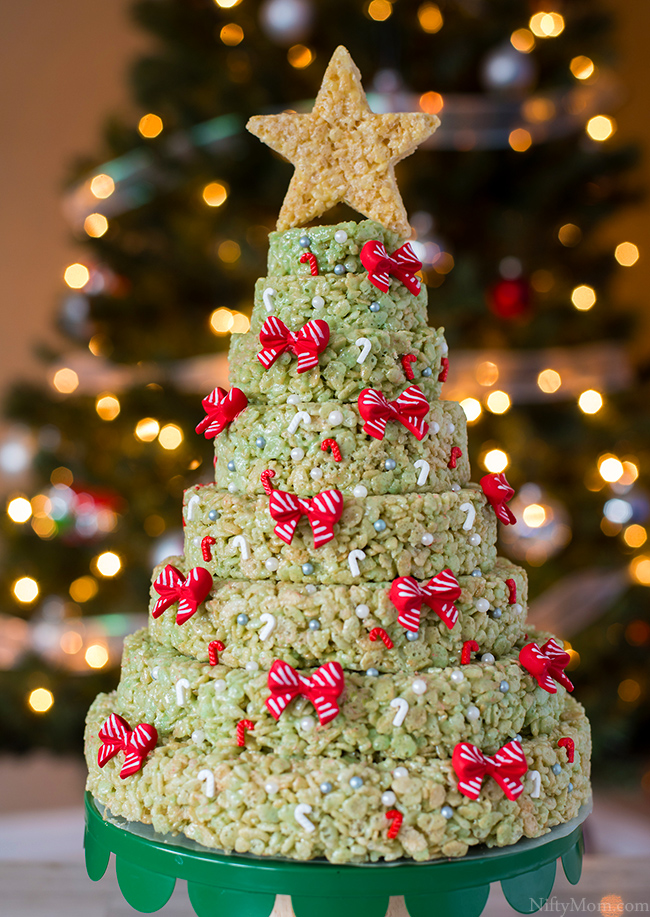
[[570, 787], [447, 812], [427, 371], [326, 787], [390, 464], [557, 769], [504, 687], [477, 572], [339, 269], [307, 569], [379, 525], [375, 307], [213, 515], [372, 672], [260, 442], [242, 619], [314, 624], [356, 782], [231, 465], [350, 264], [305, 241], [412, 635], [496, 613]]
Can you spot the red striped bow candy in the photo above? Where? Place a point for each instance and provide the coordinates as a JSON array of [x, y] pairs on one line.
[[189, 593], [409, 409], [545, 664], [306, 344], [402, 264], [116, 735], [440, 593], [498, 492], [220, 408], [507, 767], [322, 511], [322, 689]]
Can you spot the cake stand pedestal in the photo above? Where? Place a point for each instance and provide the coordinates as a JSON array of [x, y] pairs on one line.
[[148, 865]]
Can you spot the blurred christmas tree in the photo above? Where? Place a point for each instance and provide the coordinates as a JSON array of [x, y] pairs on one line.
[[507, 202]]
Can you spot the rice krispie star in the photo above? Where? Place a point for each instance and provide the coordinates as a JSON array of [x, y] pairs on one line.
[[342, 151]]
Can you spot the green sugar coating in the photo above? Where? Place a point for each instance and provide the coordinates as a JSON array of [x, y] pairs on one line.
[[363, 458], [342, 635]]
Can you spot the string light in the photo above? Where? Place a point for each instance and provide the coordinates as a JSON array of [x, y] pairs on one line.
[[227, 4], [231, 34], [549, 381], [95, 225], [546, 25], [520, 140], [102, 186], [107, 406], [19, 509], [76, 275], [534, 515], [40, 700], [626, 253], [25, 589], [498, 402], [522, 40], [221, 321], [635, 536], [65, 380], [600, 127], [640, 569], [569, 235], [215, 194], [431, 102], [630, 474], [150, 126], [582, 67], [108, 563], [610, 468], [590, 402], [472, 408], [430, 18], [583, 297], [487, 373], [496, 460], [170, 437], [300, 56], [379, 10], [96, 656], [229, 251], [83, 589], [147, 429]]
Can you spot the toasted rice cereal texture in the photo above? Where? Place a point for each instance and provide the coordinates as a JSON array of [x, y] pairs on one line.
[[267, 604]]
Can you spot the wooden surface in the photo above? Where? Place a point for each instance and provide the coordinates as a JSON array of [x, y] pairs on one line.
[[610, 886]]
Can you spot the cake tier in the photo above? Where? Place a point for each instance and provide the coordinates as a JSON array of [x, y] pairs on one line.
[[256, 794], [445, 706], [363, 457], [244, 538], [342, 636], [339, 375]]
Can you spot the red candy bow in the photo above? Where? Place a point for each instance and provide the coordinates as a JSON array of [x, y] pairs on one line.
[[507, 767], [498, 492], [307, 344], [402, 264], [221, 408], [322, 511], [116, 735], [440, 593], [322, 689], [189, 593], [546, 664], [409, 409]]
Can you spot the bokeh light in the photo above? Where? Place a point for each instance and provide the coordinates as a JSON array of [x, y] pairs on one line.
[[215, 193], [76, 275], [170, 437], [150, 126], [147, 429], [108, 563], [583, 297], [472, 408], [590, 401], [498, 402], [102, 186], [626, 254], [107, 406], [19, 509], [95, 225], [430, 18], [600, 127], [25, 589], [496, 460], [40, 700], [96, 656]]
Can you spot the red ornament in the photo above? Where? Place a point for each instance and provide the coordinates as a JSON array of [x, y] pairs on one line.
[[402, 264], [512, 591], [221, 408], [570, 746], [313, 263], [206, 547], [396, 819], [242, 726], [322, 689], [189, 592], [379, 633], [509, 298], [440, 593], [456, 453], [545, 664], [334, 446], [507, 767], [444, 371], [409, 409], [306, 344], [116, 735], [469, 647], [322, 511], [406, 365], [498, 492], [215, 647]]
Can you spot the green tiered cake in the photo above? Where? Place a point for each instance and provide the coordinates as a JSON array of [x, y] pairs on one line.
[[339, 665]]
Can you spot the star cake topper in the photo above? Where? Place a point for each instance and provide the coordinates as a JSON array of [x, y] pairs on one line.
[[342, 151]]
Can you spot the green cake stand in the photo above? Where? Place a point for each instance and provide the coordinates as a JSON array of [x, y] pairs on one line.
[[148, 865]]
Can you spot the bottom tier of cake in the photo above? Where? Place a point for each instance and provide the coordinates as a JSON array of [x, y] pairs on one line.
[[258, 802]]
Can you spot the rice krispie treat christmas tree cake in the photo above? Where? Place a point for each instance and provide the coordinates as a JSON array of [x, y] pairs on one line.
[[339, 664]]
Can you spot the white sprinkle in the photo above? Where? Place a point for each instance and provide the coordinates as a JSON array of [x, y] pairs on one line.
[[318, 302], [427, 539], [310, 589], [154, 673], [293, 399], [307, 723], [219, 686], [444, 348], [271, 787], [192, 503], [419, 686], [360, 492], [470, 517], [457, 676], [400, 772], [472, 712], [362, 611], [316, 473], [334, 418], [298, 418], [474, 540], [424, 471], [252, 666], [198, 736], [297, 454], [482, 605], [388, 798], [340, 236], [271, 564]]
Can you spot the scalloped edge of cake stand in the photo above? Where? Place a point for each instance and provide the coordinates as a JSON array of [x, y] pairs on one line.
[[148, 865]]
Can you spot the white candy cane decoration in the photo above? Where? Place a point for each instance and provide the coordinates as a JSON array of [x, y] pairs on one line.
[[208, 782], [182, 690], [402, 709], [191, 503], [240, 542], [298, 418], [300, 813], [353, 561], [536, 780], [471, 515], [365, 346], [269, 625], [425, 468], [267, 296]]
